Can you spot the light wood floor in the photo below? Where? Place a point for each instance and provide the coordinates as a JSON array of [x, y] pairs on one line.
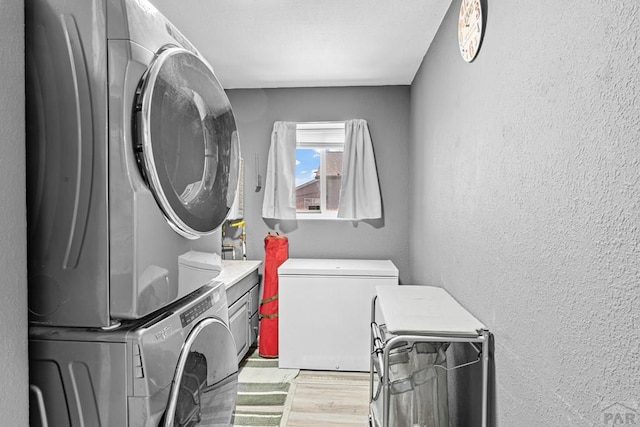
[[322, 398]]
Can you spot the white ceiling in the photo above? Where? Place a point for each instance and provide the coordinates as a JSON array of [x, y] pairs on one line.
[[304, 43]]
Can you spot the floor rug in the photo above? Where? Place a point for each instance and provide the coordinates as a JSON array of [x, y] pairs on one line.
[[263, 392]]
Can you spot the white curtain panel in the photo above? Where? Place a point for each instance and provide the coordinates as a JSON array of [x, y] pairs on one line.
[[360, 197], [360, 193], [279, 191]]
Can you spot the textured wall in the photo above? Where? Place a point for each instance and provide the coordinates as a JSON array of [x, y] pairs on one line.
[[526, 200], [386, 109], [13, 280]]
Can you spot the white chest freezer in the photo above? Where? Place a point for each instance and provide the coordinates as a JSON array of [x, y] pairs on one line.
[[325, 310]]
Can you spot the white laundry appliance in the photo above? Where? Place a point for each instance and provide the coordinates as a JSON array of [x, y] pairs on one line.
[[176, 368], [132, 154], [324, 311], [198, 267]]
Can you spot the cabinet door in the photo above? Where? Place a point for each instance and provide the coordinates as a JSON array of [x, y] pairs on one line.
[[253, 329], [254, 303], [238, 323], [254, 299]]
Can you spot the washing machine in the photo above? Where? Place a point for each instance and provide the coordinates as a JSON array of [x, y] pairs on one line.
[[178, 368], [132, 156]]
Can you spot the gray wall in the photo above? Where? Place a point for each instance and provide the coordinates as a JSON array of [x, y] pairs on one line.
[[386, 109], [526, 200], [14, 397]]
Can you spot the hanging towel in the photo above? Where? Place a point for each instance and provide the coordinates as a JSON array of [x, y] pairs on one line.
[[360, 198], [279, 191]]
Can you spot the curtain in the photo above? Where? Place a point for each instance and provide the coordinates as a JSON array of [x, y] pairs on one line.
[[360, 191], [360, 197], [279, 191]]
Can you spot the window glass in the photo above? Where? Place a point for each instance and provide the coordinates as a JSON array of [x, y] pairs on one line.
[[190, 145], [333, 178], [206, 388], [319, 152], [307, 179]]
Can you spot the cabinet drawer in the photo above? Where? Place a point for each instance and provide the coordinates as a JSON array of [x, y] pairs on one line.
[[243, 286]]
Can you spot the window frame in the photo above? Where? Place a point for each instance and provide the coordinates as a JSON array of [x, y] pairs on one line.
[[320, 136]]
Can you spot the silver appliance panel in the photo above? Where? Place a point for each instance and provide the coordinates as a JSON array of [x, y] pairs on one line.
[[102, 246], [133, 375]]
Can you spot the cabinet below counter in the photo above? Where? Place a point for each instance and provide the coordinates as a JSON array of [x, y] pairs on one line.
[[242, 283]]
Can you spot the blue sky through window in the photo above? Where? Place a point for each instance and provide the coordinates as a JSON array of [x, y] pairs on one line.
[[307, 163]]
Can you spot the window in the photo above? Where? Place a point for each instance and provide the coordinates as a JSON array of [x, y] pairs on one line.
[[319, 152], [335, 168]]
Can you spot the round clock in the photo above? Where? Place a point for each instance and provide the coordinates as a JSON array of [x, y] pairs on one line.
[[470, 28]]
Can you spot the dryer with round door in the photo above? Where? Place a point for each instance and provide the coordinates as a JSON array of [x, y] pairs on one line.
[[176, 369], [132, 157]]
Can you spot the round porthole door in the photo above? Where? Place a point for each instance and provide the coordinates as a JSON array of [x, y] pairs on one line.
[[205, 384], [187, 142]]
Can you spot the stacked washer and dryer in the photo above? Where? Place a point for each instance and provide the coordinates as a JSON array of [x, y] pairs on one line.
[[132, 157]]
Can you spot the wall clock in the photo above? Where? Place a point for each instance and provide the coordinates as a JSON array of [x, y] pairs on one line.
[[470, 28]]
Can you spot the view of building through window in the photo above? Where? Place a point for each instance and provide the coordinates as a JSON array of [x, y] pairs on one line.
[[319, 172], [318, 179]]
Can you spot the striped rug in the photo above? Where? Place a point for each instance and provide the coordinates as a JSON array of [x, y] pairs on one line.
[[262, 392]]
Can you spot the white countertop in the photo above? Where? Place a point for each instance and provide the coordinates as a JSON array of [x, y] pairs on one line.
[[233, 271], [425, 310]]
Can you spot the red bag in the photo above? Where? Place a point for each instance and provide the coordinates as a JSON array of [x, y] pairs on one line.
[[276, 252]]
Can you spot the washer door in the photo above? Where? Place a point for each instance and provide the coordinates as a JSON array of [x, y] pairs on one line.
[[205, 384], [187, 142]]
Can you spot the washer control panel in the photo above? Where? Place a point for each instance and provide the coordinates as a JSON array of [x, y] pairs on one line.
[[194, 312]]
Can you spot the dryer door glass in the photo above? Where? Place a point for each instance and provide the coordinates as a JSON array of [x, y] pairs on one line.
[[187, 142], [205, 385]]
